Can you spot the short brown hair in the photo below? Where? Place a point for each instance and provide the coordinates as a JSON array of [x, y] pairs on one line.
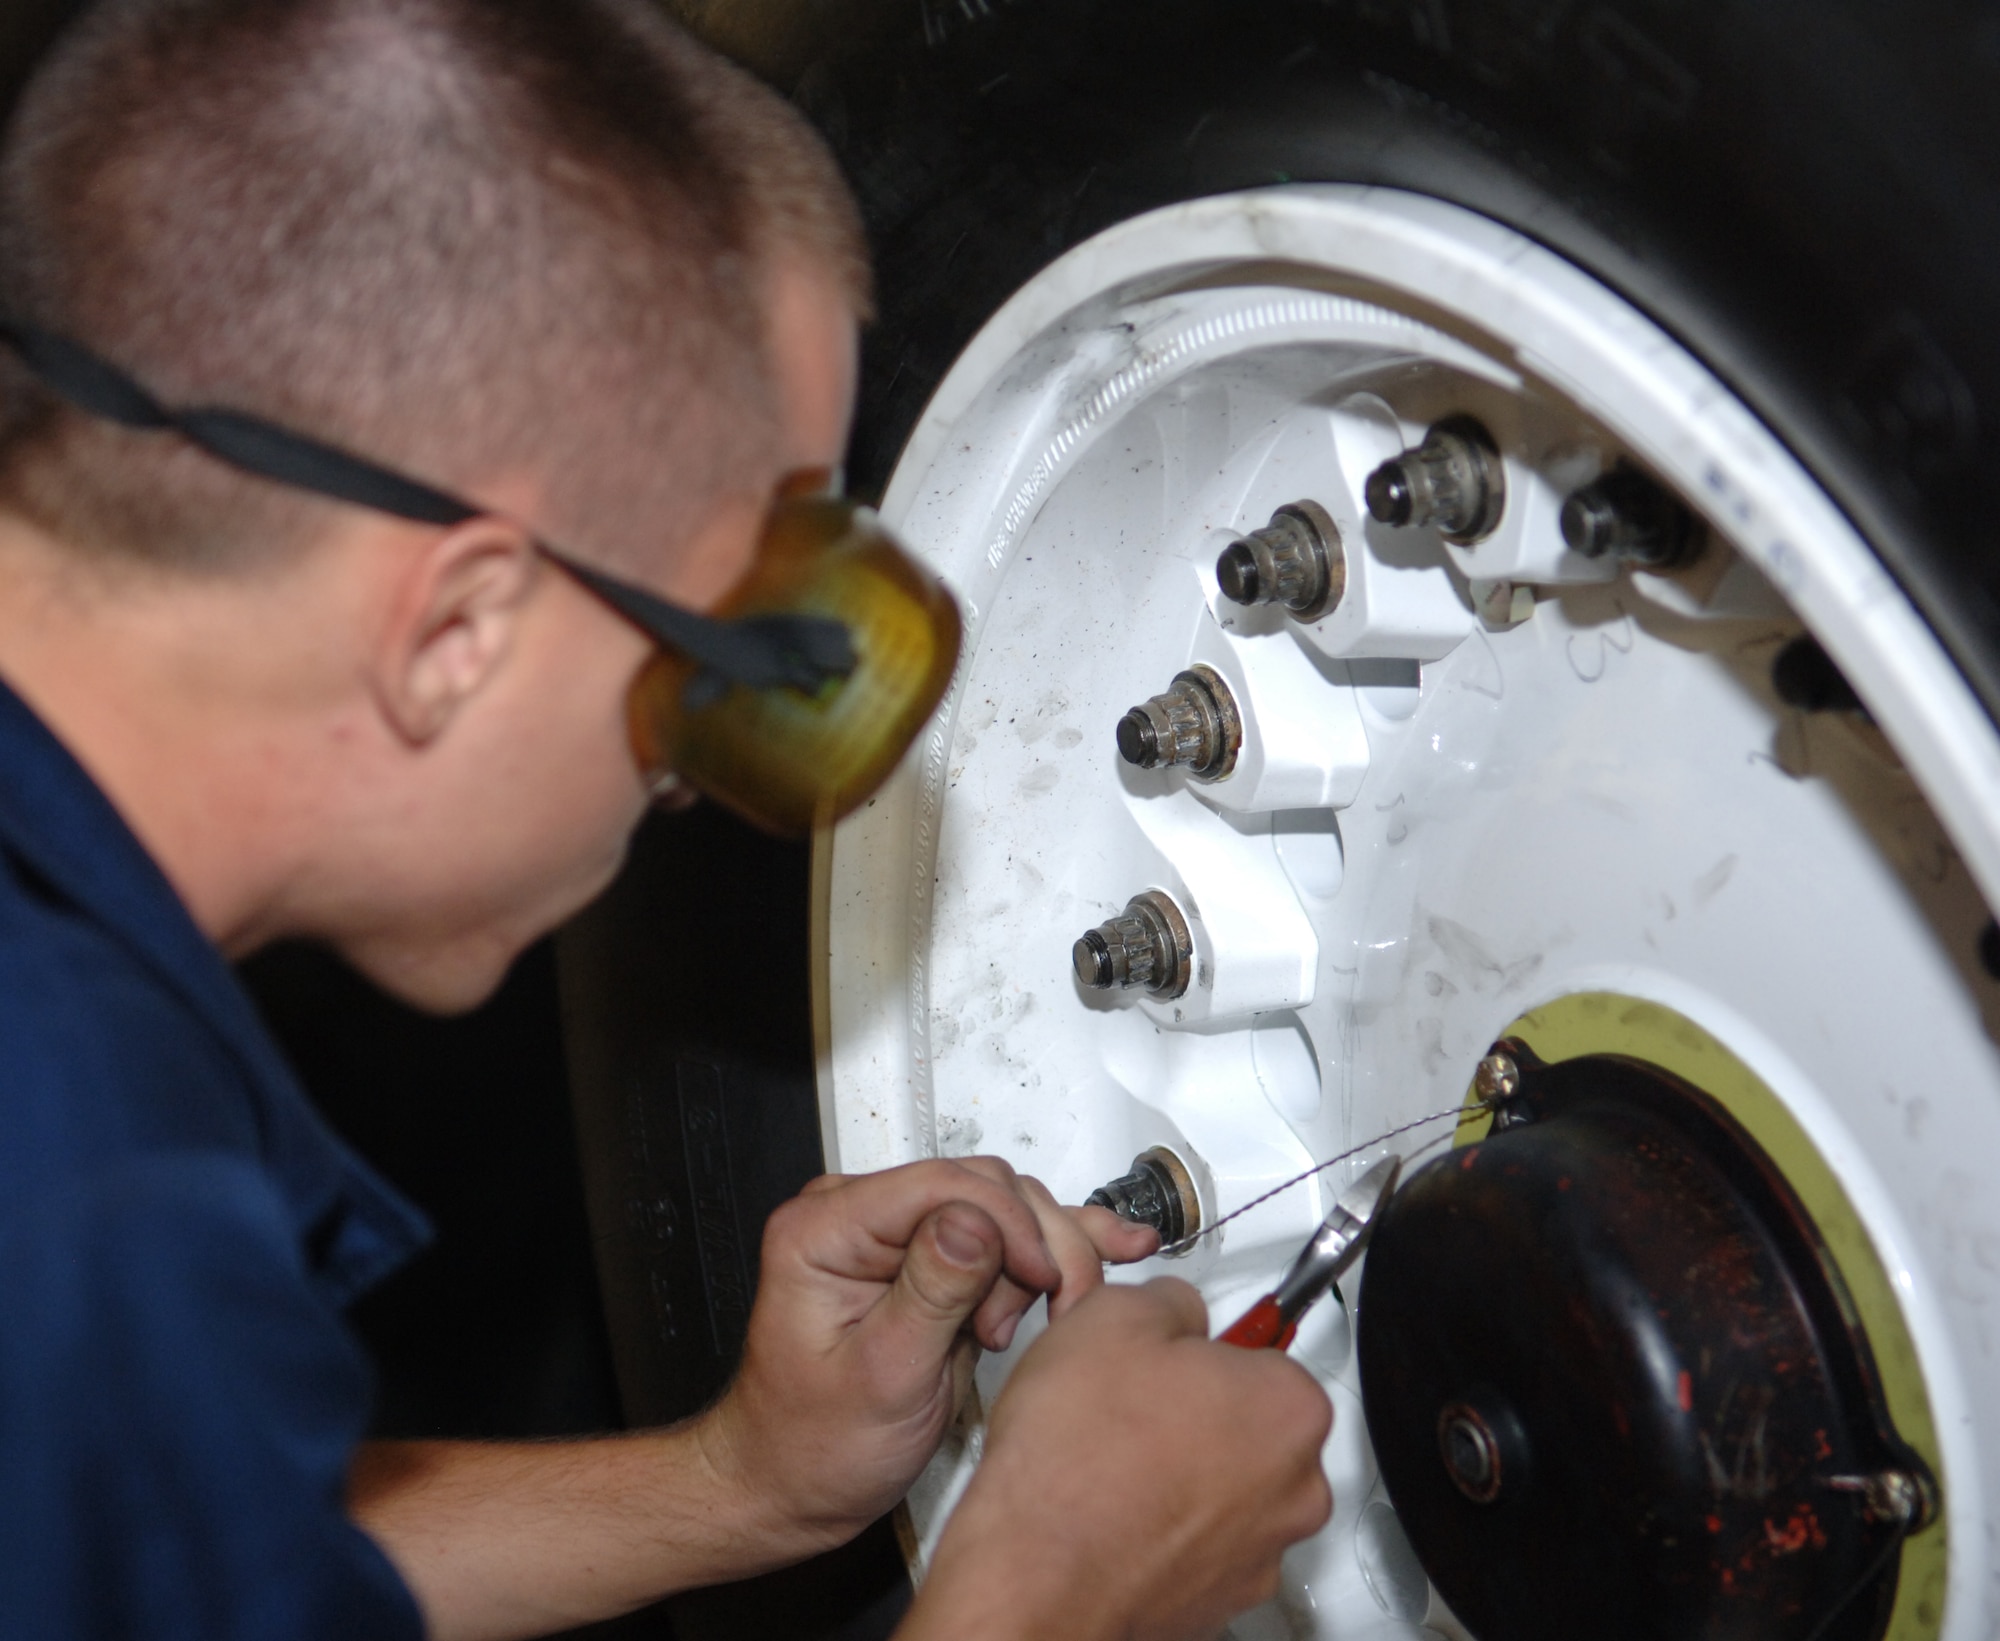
[[462, 237]]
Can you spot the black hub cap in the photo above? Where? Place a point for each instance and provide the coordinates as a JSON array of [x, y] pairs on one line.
[[1613, 1387]]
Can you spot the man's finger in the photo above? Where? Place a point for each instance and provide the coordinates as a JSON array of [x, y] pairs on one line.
[[1169, 1307], [952, 1264], [1157, 1312], [1082, 1246], [1118, 1241], [1076, 1251], [886, 1210], [999, 1315]]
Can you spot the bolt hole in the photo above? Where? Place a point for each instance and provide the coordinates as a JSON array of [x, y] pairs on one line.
[[1805, 677], [1471, 1453]]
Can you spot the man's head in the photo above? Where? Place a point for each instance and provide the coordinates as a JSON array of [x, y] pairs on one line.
[[547, 254]]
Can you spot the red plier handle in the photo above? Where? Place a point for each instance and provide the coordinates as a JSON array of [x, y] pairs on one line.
[[1262, 1327]]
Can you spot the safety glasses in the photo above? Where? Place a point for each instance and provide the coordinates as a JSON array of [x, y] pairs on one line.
[[790, 705]]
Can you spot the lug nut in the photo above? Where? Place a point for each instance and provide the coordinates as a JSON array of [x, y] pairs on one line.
[[1193, 724], [1454, 480], [1627, 515], [1159, 1191], [1147, 946], [1295, 560]]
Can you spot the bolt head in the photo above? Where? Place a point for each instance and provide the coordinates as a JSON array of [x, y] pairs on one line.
[[1092, 957], [1388, 495], [1894, 1495], [1138, 740], [1497, 1077], [1236, 574], [1588, 523]]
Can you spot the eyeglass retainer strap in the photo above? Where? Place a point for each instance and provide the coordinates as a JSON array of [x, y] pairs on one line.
[[765, 652]]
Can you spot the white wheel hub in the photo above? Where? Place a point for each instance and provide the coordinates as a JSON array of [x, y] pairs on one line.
[[1494, 776]]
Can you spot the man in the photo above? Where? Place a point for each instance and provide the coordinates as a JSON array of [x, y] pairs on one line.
[[549, 255]]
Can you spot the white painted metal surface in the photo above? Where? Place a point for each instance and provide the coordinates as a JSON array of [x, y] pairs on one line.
[[1444, 821]]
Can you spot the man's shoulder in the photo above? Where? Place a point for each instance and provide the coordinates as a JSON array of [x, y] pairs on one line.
[[99, 1055]]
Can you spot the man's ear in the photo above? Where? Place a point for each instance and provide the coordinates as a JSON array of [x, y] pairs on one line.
[[453, 622]]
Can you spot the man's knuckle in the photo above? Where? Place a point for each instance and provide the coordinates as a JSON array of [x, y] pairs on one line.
[[997, 1170], [1315, 1506], [1304, 1406], [787, 1222], [944, 1292], [1177, 1298], [1120, 1306]]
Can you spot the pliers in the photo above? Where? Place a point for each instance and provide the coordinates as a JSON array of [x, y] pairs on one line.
[[1273, 1322]]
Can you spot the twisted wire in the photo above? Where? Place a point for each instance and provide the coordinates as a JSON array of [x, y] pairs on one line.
[[1464, 1113]]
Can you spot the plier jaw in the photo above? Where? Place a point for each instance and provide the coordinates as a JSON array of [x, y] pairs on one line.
[[1273, 1322]]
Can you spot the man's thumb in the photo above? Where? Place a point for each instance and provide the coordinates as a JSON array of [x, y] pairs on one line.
[[953, 1262]]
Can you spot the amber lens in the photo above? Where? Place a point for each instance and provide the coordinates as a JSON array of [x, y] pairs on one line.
[[790, 761]]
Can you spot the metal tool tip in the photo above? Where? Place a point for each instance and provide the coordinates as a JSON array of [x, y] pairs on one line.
[[1364, 1198]]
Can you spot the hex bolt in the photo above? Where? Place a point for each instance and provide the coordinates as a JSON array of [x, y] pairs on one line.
[[1455, 480], [1625, 514], [1147, 946], [1471, 1452], [1296, 560], [1159, 1191], [1193, 724]]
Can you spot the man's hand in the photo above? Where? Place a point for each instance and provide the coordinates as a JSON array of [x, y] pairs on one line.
[[875, 1295], [861, 1346], [1139, 1483]]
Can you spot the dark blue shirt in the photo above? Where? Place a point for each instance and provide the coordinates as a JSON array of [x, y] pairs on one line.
[[179, 1234]]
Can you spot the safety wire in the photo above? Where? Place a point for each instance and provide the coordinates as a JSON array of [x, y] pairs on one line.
[[1464, 1113], [1876, 1567]]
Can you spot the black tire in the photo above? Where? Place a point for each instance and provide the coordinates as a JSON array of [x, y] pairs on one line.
[[1808, 195], [1807, 192], [686, 1008]]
